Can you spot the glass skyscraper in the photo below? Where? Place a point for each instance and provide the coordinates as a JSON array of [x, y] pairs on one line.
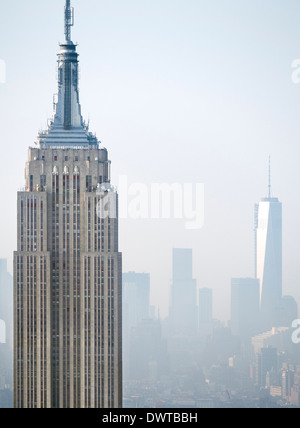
[[268, 258]]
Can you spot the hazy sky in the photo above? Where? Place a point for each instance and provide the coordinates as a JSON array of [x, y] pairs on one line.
[[178, 91]]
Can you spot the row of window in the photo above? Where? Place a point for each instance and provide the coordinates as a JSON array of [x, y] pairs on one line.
[[43, 182]]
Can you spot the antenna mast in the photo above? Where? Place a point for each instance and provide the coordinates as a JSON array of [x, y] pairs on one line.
[[69, 20]]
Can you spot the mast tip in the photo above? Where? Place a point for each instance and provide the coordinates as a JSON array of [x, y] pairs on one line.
[[69, 20]]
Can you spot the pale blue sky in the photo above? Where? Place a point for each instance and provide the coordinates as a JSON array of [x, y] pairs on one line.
[[177, 90]]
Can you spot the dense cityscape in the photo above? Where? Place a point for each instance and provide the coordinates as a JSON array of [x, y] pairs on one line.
[[77, 331], [192, 359]]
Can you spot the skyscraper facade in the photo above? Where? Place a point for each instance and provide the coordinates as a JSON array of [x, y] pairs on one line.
[[67, 267], [267, 367], [183, 309], [244, 307], [205, 312], [205, 306], [268, 257]]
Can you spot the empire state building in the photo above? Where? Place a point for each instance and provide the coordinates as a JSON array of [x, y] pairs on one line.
[[67, 267]]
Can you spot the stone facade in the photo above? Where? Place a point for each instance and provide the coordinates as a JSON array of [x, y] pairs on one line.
[[67, 284]]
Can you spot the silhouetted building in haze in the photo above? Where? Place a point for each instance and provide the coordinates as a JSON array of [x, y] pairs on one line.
[[267, 368], [136, 298], [244, 307], [148, 352], [205, 306], [288, 312], [183, 308], [6, 336], [205, 311], [268, 260], [136, 308]]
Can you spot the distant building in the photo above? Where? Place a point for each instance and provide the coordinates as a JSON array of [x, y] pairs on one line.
[[183, 308], [288, 312], [268, 263], [279, 338], [287, 382], [136, 297], [205, 311], [276, 391], [6, 302], [244, 307], [267, 368], [295, 391], [136, 308], [205, 306], [148, 352], [6, 336]]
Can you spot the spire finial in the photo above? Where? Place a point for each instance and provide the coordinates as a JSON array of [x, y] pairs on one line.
[[69, 20], [270, 185]]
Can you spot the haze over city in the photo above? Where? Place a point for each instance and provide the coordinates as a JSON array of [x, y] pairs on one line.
[[187, 92], [150, 254]]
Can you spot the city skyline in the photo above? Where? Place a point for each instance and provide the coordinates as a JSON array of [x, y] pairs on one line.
[[133, 281], [224, 151]]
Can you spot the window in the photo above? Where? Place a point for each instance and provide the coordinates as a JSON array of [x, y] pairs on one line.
[[66, 158], [76, 159], [88, 183], [55, 158], [43, 182]]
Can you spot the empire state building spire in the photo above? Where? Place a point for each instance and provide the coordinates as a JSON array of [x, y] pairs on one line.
[[67, 127], [69, 20]]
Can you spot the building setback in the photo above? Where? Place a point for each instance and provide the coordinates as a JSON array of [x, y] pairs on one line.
[[67, 267]]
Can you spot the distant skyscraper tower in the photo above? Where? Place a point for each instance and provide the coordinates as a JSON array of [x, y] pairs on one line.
[[205, 306], [244, 307], [183, 310], [6, 336], [205, 312], [289, 311], [267, 367], [268, 252], [136, 297], [136, 308], [67, 269]]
